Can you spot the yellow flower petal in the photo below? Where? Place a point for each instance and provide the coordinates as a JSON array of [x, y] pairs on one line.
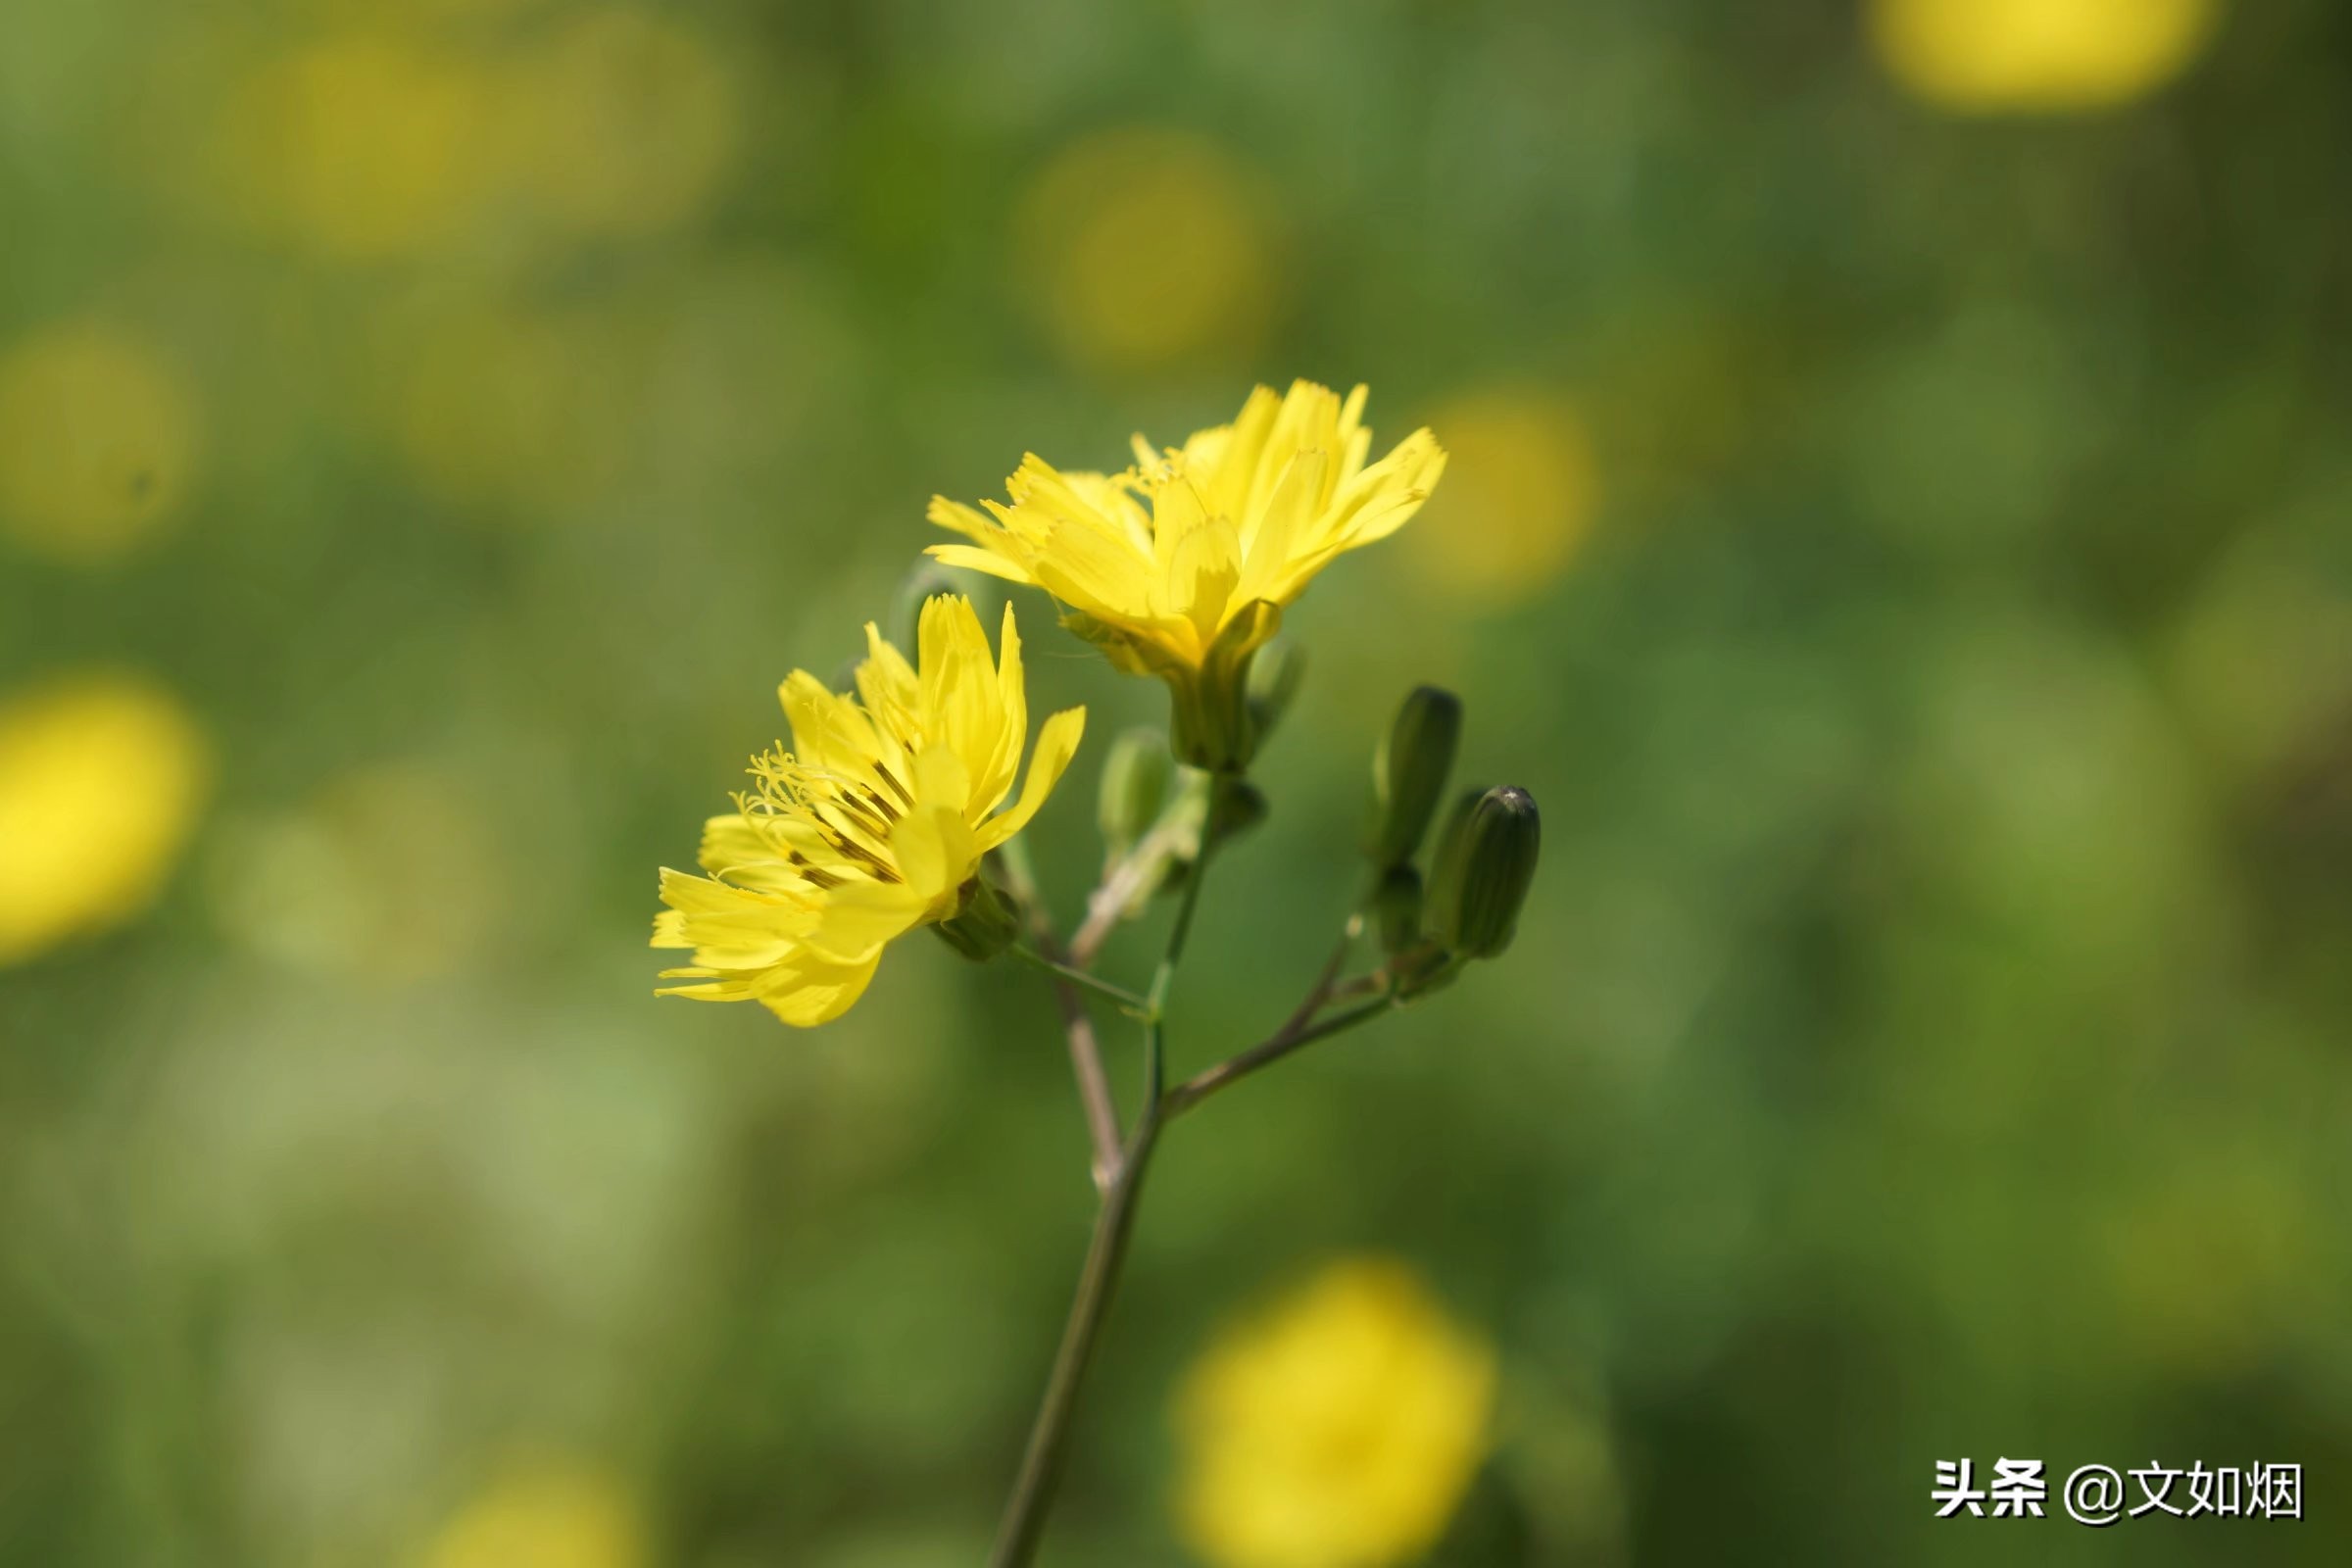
[[860, 918], [822, 991], [1057, 744], [936, 851], [973, 559]]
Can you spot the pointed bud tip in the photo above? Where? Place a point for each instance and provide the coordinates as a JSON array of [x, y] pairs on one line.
[[1409, 768], [1484, 868]]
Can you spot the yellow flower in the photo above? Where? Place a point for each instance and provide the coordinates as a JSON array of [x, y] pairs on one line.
[[873, 825], [101, 779], [1989, 56], [97, 442], [1179, 568], [549, 1518], [1339, 1431]]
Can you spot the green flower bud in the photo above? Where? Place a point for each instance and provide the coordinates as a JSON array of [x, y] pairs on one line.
[[984, 924], [1408, 774], [1483, 871], [1136, 773], [1457, 823], [1275, 671], [1395, 909]]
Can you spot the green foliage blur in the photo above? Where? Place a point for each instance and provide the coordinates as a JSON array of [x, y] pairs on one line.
[[1904, 550]]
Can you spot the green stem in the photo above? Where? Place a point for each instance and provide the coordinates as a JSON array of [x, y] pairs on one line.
[[1080, 977], [1024, 1523], [1086, 1052], [1194, 1089], [1190, 900]]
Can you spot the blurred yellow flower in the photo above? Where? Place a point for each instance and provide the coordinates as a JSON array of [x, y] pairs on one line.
[[393, 873], [2261, 665], [511, 409], [625, 124], [360, 147], [101, 779], [2211, 1256], [1179, 568], [1142, 247], [1989, 56], [1521, 496], [873, 825], [1339, 1431], [98, 437], [545, 1518]]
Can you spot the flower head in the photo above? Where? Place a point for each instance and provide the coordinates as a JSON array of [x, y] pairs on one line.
[[1179, 566], [872, 824], [1339, 1431]]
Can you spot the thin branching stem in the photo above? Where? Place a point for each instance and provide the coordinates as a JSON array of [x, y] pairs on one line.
[[1024, 1522], [1085, 980], [1185, 1095], [1078, 1026]]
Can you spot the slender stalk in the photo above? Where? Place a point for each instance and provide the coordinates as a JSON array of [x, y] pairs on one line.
[[1086, 1050], [1082, 979], [1122, 884], [1165, 975], [1185, 1095], [1024, 1523]]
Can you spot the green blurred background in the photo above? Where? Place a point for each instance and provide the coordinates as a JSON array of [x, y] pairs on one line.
[[1897, 528]]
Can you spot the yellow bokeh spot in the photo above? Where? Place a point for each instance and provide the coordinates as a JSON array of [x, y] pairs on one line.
[[547, 1518], [1341, 1430], [2262, 663], [393, 873], [625, 124], [511, 410], [98, 438], [411, 13], [360, 147], [101, 779], [1519, 495], [1993, 56], [1140, 248], [2212, 1260]]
